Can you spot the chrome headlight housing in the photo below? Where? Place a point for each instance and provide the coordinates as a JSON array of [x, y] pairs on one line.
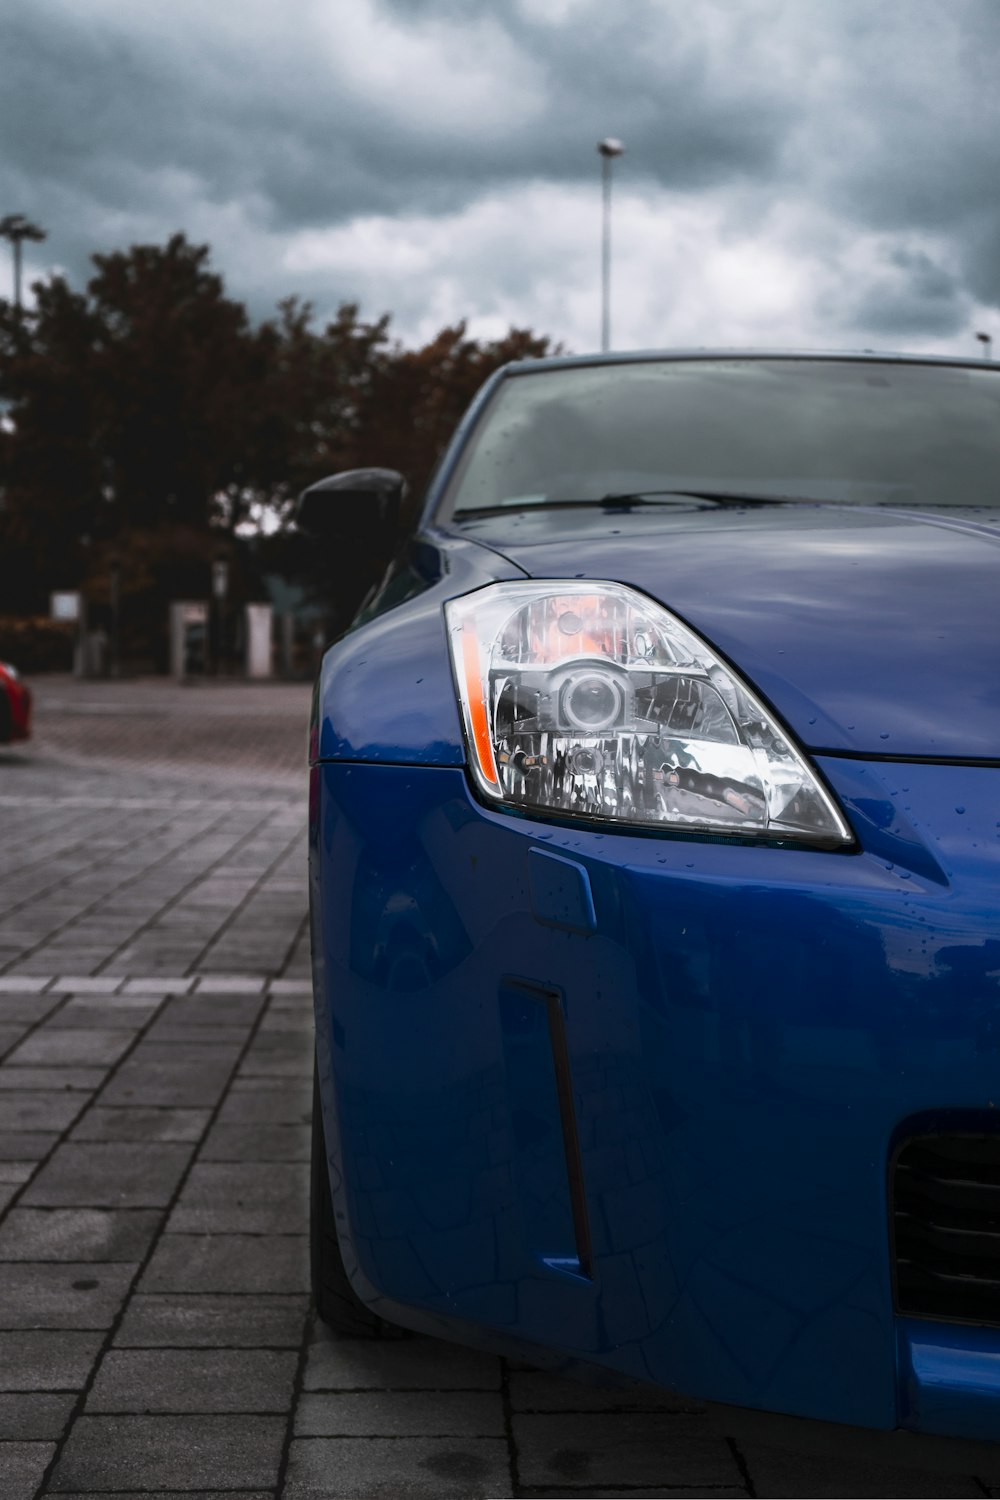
[[589, 700]]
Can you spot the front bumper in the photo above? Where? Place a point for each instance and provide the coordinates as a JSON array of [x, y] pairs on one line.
[[633, 1099]]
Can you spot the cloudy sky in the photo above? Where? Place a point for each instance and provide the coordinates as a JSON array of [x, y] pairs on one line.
[[799, 173]]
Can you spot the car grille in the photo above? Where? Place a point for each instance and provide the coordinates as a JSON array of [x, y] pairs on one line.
[[946, 1227]]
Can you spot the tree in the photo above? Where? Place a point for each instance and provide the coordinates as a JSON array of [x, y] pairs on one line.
[[50, 468], [178, 373], [133, 408], [415, 398], [147, 420], [316, 387]]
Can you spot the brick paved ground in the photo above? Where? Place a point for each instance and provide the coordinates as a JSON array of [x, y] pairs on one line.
[[155, 1066]]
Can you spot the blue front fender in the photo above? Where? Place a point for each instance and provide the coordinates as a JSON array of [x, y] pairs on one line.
[[745, 1028]]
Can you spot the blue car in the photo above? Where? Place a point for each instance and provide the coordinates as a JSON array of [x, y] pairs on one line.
[[655, 886]]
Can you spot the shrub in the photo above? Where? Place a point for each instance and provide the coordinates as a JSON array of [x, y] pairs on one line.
[[34, 643]]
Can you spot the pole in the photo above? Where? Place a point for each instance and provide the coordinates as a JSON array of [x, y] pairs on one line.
[[606, 256], [220, 588], [17, 273], [114, 589], [608, 149]]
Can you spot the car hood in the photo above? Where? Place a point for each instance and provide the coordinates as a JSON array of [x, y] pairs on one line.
[[870, 632]]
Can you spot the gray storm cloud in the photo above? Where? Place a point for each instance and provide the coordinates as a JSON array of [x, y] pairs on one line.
[[789, 123]]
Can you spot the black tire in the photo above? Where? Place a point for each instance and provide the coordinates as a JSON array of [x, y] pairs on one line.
[[6, 719], [337, 1304]]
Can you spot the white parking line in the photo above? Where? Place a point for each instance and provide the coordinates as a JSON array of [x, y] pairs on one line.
[[152, 984]]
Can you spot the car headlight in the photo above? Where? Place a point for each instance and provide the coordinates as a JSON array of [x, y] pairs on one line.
[[590, 700]]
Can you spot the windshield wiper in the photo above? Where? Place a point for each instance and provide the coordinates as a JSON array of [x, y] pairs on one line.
[[632, 499], [629, 498], [469, 511]]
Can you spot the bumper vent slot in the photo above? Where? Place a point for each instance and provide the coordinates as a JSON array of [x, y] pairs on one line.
[[945, 1209]]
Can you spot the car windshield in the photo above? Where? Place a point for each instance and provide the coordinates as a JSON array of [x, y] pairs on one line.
[[849, 431]]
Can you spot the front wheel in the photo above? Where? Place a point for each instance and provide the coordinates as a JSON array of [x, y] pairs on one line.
[[337, 1304]]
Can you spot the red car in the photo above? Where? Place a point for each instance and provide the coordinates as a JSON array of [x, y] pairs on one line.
[[15, 705]]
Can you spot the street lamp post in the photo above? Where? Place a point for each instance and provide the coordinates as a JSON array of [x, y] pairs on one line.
[[17, 229], [608, 149], [220, 588], [114, 593], [986, 339]]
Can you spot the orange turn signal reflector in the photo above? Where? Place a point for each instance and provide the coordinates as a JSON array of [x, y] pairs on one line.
[[475, 695]]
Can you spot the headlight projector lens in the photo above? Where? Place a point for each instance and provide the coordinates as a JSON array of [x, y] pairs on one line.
[[592, 702]]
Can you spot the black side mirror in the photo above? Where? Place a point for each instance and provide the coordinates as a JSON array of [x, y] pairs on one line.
[[357, 505]]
